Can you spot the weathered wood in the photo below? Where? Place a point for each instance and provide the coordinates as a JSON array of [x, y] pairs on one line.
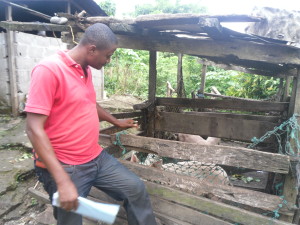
[[180, 83], [272, 119], [211, 207], [290, 188], [203, 78], [292, 72], [152, 76], [31, 11], [39, 195], [33, 26], [11, 61], [167, 210], [112, 130], [186, 18], [229, 128], [182, 213], [143, 105], [253, 200], [237, 52], [240, 105], [217, 154], [124, 115]]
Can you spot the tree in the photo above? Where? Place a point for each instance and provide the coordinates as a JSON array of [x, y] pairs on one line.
[[108, 6], [166, 6]]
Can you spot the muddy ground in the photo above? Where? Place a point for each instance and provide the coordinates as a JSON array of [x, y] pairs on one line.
[[17, 207]]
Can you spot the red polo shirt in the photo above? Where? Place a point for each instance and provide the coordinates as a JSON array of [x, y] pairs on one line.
[[60, 90]]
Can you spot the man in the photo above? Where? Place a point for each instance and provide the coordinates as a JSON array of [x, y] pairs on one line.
[[63, 126]]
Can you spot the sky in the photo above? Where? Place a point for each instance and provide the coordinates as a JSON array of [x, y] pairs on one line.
[[216, 6]]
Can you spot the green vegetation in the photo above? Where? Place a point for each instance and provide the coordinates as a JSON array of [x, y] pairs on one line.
[[128, 71]]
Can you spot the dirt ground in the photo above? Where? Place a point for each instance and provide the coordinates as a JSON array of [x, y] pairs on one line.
[[17, 173]]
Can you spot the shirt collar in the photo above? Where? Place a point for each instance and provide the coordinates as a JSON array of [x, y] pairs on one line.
[[66, 58]]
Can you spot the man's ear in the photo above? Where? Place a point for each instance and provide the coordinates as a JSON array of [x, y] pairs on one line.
[[92, 49]]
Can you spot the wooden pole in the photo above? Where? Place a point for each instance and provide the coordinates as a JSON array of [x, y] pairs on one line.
[[290, 188], [152, 76], [11, 65], [180, 84], [203, 78], [68, 7], [286, 91]]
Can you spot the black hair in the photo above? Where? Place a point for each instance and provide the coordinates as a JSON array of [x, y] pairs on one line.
[[99, 35]]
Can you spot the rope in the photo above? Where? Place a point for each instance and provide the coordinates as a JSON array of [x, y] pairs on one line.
[[118, 141], [73, 37]]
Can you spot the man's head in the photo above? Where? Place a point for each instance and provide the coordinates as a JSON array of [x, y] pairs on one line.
[[100, 43]]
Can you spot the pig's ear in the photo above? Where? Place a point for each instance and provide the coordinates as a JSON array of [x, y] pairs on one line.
[[134, 158], [157, 164]]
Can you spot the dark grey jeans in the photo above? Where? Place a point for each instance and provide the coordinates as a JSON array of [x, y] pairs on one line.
[[110, 176]]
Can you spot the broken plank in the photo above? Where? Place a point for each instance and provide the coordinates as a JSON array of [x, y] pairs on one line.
[[254, 200], [230, 104], [217, 154], [167, 209], [222, 127], [211, 207]]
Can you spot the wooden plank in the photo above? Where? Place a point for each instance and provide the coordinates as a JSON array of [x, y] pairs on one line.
[[187, 18], [290, 188], [33, 26], [272, 119], [40, 196], [14, 101], [217, 154], [168, 209], [183, 213], [252, 200], [230, 104], [124, 115], [229, 128], [292, 72], [180, 83], [211, 207], [152, 76], [236, 52]]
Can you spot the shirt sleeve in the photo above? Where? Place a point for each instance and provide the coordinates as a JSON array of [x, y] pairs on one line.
[[42, 91]]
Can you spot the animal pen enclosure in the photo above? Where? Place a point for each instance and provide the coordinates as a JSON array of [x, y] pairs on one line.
[[183, 199]]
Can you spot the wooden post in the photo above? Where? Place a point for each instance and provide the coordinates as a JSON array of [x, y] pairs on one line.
[[203, 77], [286, 89], [151, 93], [180, 84], [11, 65], [290, 188], [152, 76], [68, 7]]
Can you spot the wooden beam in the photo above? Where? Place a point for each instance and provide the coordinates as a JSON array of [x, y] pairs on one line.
[[272, 119], [180, 83], [230, 104], [235, 51], [152, 76], [292, 72], [31, 11], [252, 200], [14, 101], [123, 115], [222, 127], [217, 154], [33, 26]]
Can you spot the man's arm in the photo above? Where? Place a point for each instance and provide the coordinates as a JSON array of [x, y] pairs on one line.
[[105, 116], [41, 144]]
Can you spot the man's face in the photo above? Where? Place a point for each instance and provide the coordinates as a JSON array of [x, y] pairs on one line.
[[100, 58]]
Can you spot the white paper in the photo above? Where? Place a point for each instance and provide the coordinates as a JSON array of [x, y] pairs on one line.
[[94, 210]]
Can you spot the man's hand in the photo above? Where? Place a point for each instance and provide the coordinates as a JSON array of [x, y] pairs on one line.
[[128, 123], [68, 195]]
